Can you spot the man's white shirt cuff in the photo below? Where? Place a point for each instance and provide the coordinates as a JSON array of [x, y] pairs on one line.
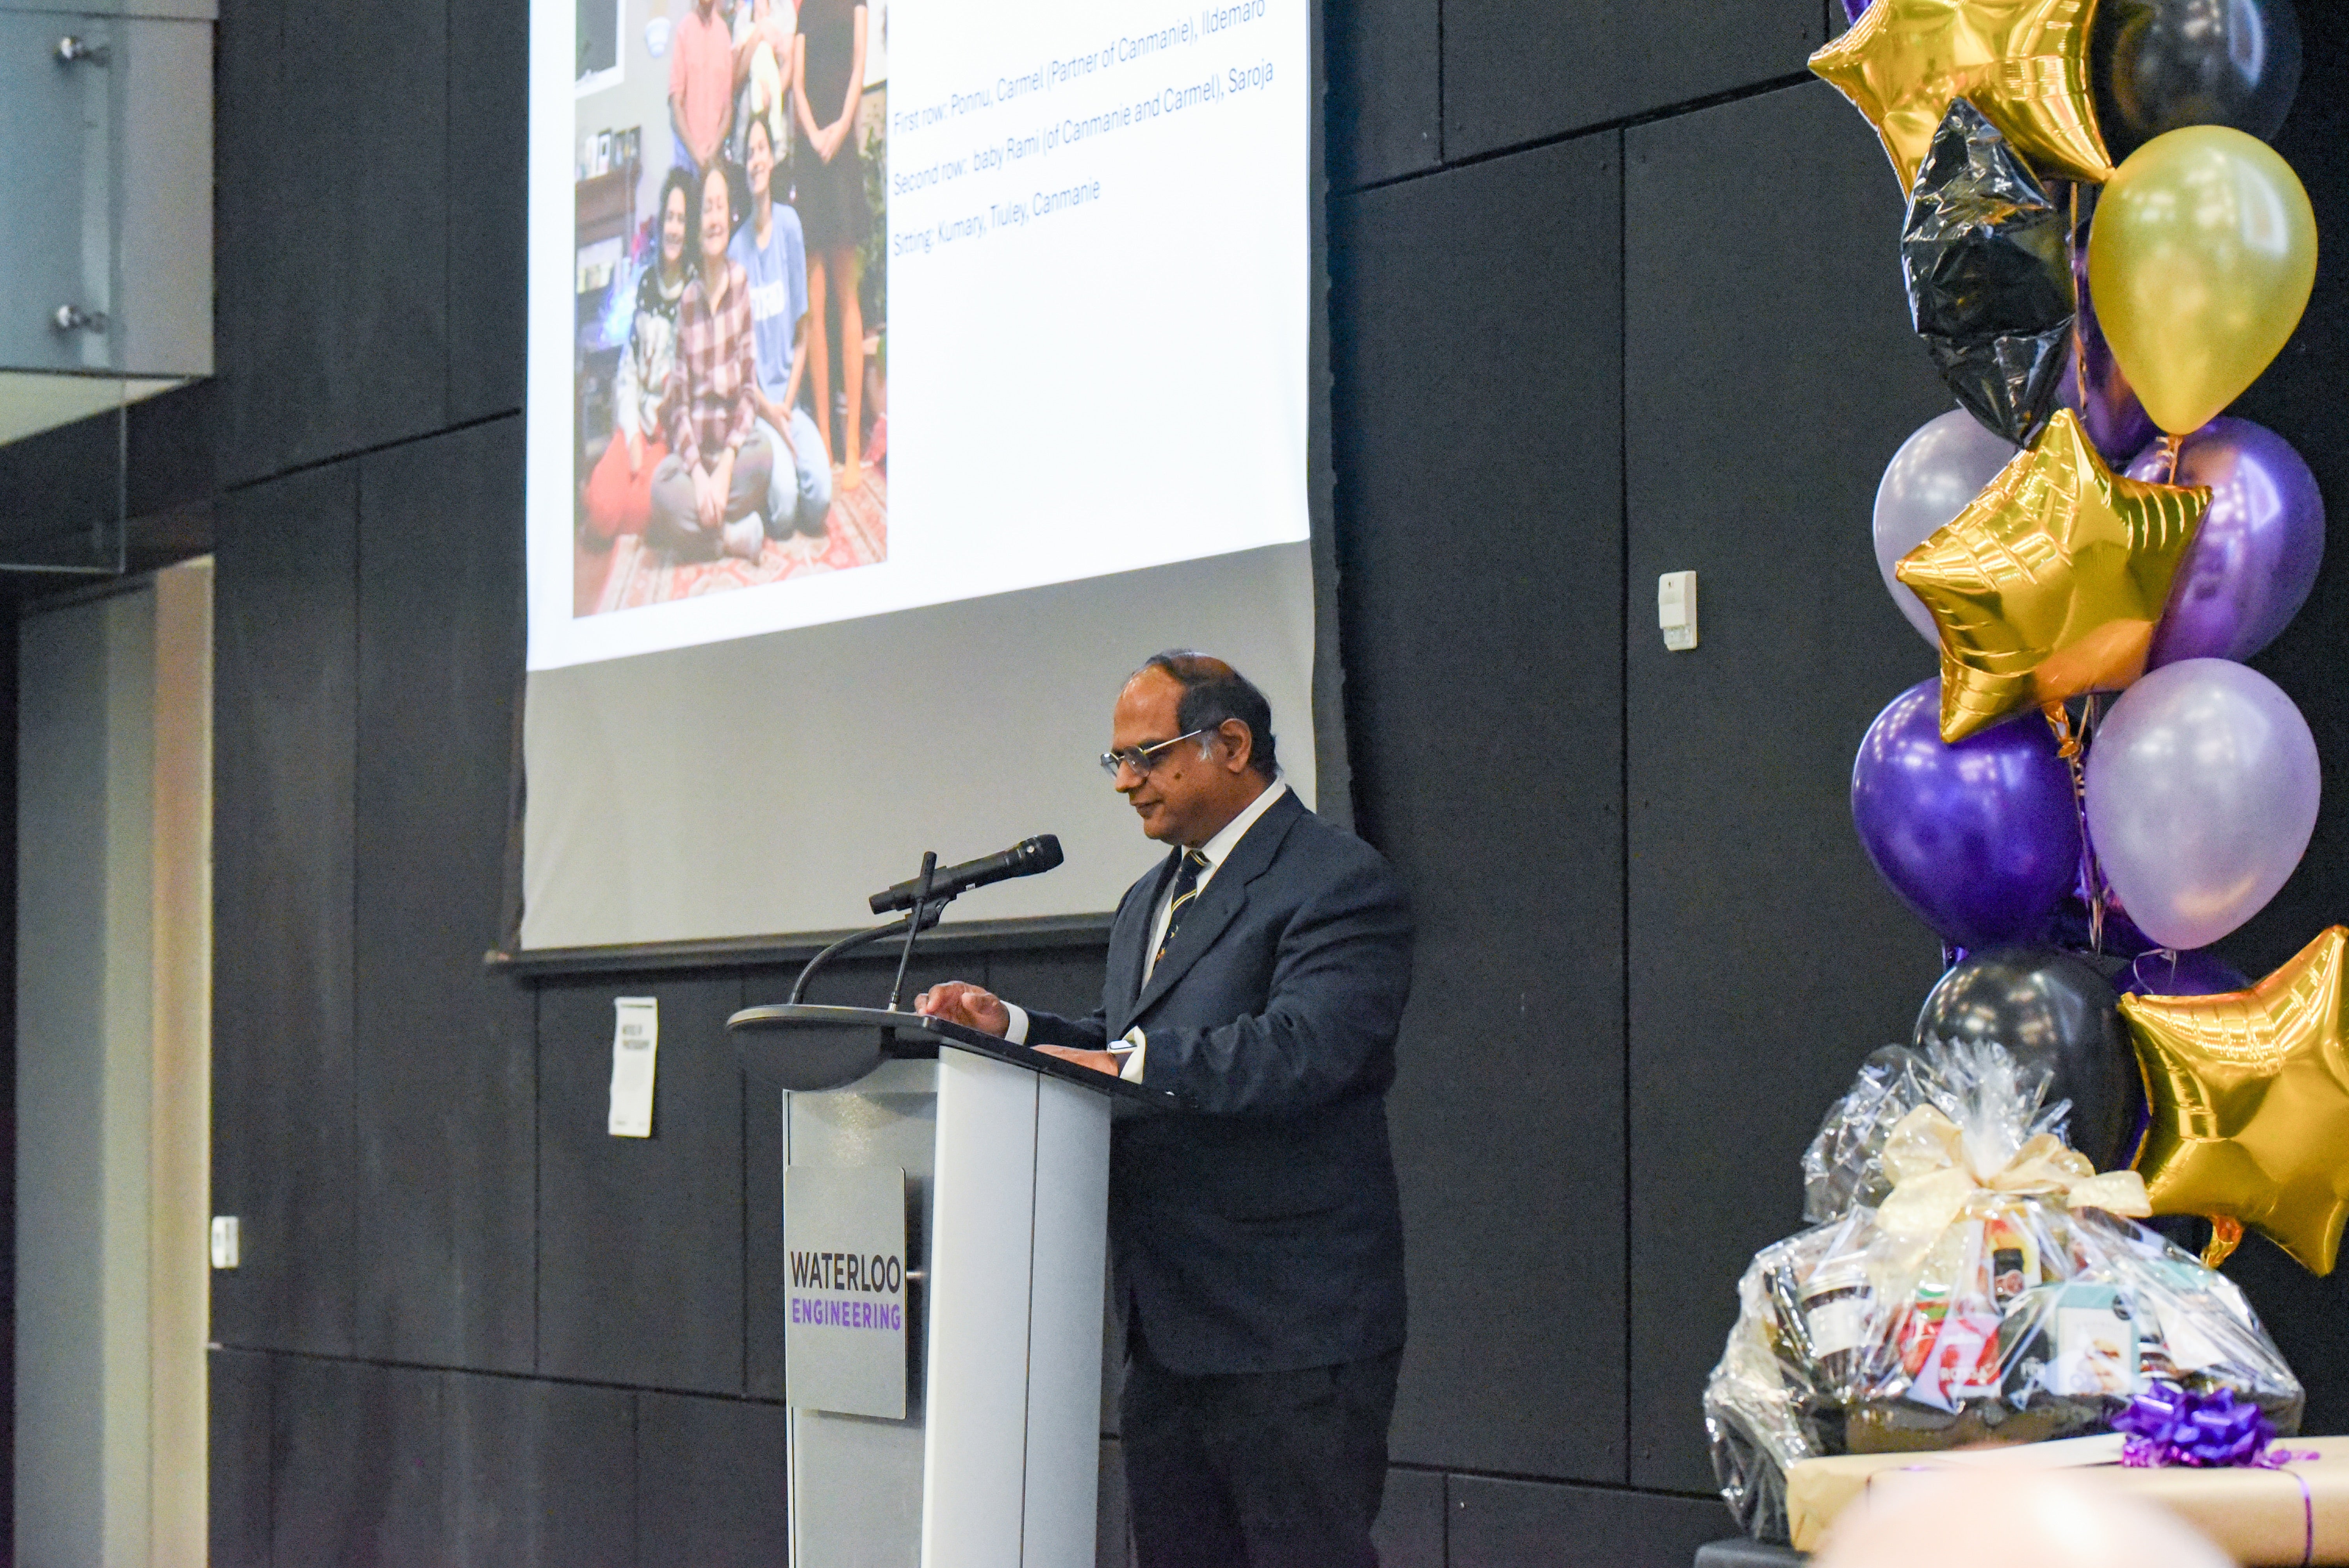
[[1016, 1031], [1130, 1053]]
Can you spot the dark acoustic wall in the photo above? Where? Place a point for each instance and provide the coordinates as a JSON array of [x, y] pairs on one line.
[[1613, 294]]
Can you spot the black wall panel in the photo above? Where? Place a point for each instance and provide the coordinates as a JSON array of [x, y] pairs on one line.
[[487, 204], [1517, 71], [253, 164], [640, 1239], [539, 1475], [1112, 1544], [286, 684], [763, 1267], [1770, 375], [1067, 981], [711, 1480], [10, 651], [2299, 398], [359, 1455], [238, 1454], [334, 297], [1480, 539], [1529, 1524], [1383, 111], [1410, 1532], [445, 1053], [171, 438]]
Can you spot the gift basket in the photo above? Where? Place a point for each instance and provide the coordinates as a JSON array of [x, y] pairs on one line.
[[1967, 1279]]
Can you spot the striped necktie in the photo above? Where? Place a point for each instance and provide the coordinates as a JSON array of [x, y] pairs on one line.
[[1186, 890]]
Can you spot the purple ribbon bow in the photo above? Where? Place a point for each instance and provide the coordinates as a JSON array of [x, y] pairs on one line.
[[2170, 1425]]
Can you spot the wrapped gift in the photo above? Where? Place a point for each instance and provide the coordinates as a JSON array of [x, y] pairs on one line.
[[1993, 1290], [2296, 1513]]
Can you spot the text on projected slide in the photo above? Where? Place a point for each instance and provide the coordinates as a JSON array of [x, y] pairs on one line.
[[1000, 143]]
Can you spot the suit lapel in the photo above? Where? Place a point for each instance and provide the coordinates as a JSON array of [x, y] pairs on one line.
[[1130, 944], [1224, 897]]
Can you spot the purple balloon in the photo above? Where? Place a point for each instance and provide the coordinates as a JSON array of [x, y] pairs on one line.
[[2254, 558], [2202, 791], [2197, 972], [1852, 8], [1981, 839], [2094, 385]]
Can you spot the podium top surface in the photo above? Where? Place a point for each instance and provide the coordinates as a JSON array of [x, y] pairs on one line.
[[812, 1047]]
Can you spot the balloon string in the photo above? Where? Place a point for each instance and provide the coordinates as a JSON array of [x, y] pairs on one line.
[[2172, 444], [2071, 745], [2079, 312]]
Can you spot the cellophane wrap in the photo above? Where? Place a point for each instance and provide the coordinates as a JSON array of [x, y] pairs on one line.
[[1976, 1286], [1844, 1166]]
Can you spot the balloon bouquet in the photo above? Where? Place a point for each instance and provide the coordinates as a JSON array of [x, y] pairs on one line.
[[2088, 522]]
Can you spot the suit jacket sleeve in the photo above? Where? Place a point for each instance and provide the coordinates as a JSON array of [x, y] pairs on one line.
[[1090, 1033], [1341, 974]]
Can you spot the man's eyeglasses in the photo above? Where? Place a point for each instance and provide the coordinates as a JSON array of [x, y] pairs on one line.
[[1142, 758]]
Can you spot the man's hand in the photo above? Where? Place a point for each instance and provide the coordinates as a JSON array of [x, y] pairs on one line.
[[959, 1002], [1099, 1061]]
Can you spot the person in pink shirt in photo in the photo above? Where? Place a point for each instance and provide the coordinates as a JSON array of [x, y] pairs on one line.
[[705, 67]]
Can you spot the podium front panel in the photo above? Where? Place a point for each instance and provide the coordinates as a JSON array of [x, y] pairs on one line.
[[856, 1482], [996, 1464]]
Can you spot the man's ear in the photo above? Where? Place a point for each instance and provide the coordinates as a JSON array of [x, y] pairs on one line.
[[1237, 735]]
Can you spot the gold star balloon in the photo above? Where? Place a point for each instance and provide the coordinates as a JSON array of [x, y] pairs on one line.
[[2250, 1103], [2049, 584], [2023, 63]]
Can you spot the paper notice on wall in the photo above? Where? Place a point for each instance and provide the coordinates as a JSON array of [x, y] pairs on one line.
[[636, 1042]]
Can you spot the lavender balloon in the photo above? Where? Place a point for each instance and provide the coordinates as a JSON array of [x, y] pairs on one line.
[[2254, 558], [2202, 793], [2195, 974], [1981, 839], [1936, 472]]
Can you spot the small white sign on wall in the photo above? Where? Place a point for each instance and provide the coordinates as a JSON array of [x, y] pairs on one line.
[[636, 1045]]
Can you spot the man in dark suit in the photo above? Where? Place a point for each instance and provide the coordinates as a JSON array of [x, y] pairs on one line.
[[1259, 972]]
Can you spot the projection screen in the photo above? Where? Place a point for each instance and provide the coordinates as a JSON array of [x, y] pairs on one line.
[[901, 375]]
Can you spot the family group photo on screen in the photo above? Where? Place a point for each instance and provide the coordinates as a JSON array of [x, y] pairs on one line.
[[731, 353]]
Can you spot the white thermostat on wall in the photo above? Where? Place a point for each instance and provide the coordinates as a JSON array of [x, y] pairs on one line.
[[1676, 609]]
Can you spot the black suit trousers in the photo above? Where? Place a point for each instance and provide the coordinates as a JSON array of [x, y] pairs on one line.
[[1256, 1469]]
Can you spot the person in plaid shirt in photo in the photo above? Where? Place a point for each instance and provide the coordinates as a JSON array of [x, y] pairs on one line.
[[708, 490]]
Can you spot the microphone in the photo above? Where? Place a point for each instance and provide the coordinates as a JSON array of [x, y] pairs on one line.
[[1024, 859]]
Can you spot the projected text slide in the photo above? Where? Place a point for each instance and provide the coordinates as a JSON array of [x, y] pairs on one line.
[[846, 310]]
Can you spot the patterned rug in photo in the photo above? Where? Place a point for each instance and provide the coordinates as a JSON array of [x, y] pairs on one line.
[[856, 534]]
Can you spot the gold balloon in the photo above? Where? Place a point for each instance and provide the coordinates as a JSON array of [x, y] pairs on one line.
[[2049, 584], [2250, 1103], [2200, 262], [2023, 63]]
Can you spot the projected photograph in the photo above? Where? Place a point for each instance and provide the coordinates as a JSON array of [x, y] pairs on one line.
[[731, 345]]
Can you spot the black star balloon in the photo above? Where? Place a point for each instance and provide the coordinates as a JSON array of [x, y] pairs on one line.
[[1989, 276]]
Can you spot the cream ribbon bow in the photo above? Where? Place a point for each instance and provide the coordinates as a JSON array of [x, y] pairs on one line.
[[1932, 1177]]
